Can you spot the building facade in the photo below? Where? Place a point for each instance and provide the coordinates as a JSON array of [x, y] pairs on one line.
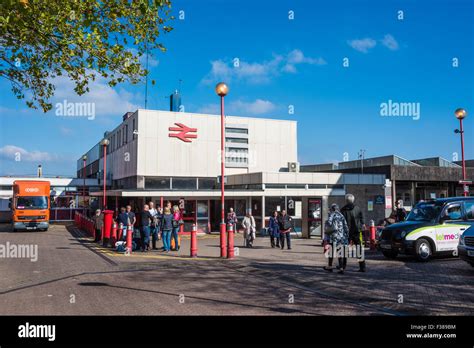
[[175, 156]]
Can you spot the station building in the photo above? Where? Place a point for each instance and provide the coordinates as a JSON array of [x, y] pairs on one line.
[[410, 180], [175, 156]]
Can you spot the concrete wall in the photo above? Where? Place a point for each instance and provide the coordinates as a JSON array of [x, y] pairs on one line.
[[363, 193], [272, 144]]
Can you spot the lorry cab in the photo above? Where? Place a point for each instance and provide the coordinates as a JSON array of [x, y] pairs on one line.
[[30, 205], [432, 227]]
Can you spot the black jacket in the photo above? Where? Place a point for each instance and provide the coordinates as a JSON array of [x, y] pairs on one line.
[[354, 218], [285, 222]]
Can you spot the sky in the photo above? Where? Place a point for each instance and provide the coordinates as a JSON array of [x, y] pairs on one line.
[[335, 67]]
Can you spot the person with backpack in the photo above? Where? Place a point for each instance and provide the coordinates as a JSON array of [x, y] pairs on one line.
[[355, 222], [286, 224], [274, 230], [337, 232], [166, 228], [248, 223]]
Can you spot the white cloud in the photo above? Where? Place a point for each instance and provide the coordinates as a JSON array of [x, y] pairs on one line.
[[390, 42], [15, 153], [107, 100], [362, 45], [240, 107], [256, 107], [212, 109], [258, 72]]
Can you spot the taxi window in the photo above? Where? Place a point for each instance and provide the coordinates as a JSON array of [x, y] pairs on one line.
[[453, 212], [469, 209]]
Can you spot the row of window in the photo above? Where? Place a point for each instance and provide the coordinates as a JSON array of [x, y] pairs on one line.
[[120, 137]]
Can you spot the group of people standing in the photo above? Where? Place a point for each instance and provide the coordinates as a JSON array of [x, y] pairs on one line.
[[157, 223], [279, 228], [342, 229]]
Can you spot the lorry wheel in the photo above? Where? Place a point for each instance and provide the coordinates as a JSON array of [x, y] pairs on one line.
[[423, 250], [392, 254]]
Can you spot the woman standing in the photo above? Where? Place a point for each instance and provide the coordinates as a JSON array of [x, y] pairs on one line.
[[274, 230], [167, 227], [249, 229], [177, 222], [98, 223], [338, 231]]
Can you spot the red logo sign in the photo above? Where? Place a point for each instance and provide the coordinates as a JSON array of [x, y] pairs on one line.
[[183, 132]]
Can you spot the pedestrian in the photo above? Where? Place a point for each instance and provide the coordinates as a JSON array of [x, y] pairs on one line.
[[145, 222], [338, 238], [98, 224], [248, 223], [177, 222], [355, 222], [286, 224], [125, 218], [274, 230], [166, 228], [401, 213], [232, 219], [154, 225]]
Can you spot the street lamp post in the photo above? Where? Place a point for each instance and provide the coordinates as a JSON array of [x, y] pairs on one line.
[[105, 143], [460, 115], [221, 91], [84, 159]]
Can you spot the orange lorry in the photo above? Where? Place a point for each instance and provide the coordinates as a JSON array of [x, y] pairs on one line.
[[30, 205]]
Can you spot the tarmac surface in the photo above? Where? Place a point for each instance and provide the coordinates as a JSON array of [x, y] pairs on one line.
[[75, 276]]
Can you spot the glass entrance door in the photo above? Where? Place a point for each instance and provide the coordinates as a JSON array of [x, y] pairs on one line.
[[314, 216]]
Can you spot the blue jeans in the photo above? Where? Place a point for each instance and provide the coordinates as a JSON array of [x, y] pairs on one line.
[[175, 237], [166, 235], [145, 234], [154, 230]]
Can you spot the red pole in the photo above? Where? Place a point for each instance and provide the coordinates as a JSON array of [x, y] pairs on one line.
[[222, 226], [462, 157], [372, 235], [84, 186], [104, 203], [113, 237], [129, 238], [230, 243], [194, 247]]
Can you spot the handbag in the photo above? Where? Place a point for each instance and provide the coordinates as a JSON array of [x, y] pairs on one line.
[[175, 223], [329, 228]]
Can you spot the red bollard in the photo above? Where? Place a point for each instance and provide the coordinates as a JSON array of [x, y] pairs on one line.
[[230, 241], [113, 237], [194, 246], [107, 226], [372, 235], [120, 232], [223, 240], [129, 239]]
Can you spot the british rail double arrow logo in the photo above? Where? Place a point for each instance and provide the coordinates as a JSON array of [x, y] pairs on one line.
[[183, 132]]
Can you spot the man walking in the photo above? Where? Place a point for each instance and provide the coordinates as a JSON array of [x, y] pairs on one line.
[[355, 222], [286, 224]]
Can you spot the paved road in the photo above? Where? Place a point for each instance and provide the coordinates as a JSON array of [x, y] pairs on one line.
[[74, 276]]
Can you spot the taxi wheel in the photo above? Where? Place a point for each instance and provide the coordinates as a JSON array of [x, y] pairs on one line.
[[423, 249]]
